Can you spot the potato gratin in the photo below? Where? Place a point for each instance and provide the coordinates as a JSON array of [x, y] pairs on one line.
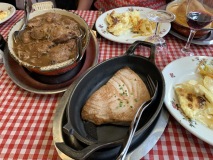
[[196, 97], [3, 14], [118, 23]]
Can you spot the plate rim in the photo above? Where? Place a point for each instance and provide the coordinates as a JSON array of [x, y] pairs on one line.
[[179, 117], [114, 39], [204, 42], [11, 13]]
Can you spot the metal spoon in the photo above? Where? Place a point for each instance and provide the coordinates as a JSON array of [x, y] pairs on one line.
[[17, 34], [207, 29]]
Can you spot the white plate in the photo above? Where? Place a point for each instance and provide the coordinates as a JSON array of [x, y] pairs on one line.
[[128, 37], [179, 71], [9, 8]]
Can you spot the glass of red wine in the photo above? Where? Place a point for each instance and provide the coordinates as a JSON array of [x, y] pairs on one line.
[[199, 14]]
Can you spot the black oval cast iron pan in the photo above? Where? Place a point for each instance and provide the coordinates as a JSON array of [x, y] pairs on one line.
[[97, 137]]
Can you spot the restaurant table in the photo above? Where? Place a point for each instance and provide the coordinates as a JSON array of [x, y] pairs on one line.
[[26, 118]]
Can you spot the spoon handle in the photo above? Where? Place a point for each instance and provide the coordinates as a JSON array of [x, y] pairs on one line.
[[26, 13], [133, 128]]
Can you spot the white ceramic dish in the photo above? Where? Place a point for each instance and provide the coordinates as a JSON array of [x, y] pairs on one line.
[[179, 71], [10, 9], [128, 37]]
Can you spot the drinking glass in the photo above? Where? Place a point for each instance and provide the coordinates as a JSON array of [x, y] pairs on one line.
[[159, 16], [199, 13]]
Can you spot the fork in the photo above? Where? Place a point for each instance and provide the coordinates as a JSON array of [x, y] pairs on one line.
[[17, 34], [153, 91]]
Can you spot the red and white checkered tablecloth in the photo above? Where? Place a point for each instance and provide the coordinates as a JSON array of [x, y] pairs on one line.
[[26, 118]]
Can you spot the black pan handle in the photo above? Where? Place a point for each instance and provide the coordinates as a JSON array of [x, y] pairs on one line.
[[69, 130], [131, 49], [84, 153]]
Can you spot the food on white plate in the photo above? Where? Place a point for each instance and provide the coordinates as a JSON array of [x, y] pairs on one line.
[[3, 14], [119, 23], [117, 101], [143, 27], [205, 69], [208, 83], [196, 98], [46, 40]]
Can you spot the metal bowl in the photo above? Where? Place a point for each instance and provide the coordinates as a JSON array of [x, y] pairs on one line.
[[58, 68]]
